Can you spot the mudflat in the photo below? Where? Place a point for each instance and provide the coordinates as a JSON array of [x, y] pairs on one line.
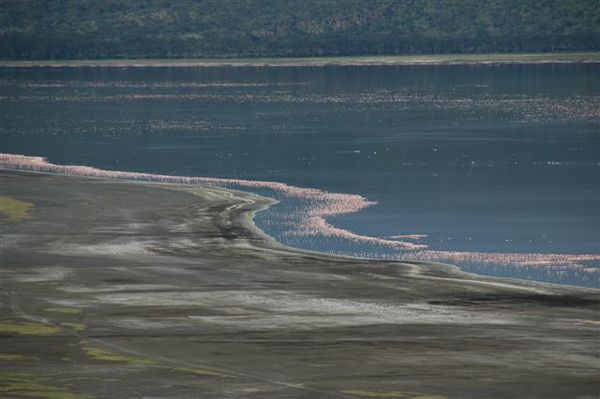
[[114, 289]]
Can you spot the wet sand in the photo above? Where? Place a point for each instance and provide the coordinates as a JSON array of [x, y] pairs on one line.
[[114, 289]]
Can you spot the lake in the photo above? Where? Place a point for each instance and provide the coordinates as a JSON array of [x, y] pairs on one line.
[[494, 168]]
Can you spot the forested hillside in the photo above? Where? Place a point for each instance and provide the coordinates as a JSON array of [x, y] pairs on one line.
[[70, 29]]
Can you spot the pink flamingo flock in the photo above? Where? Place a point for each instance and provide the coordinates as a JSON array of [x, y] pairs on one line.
[[320, 206]]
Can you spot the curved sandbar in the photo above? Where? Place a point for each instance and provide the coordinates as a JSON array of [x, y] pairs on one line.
[[123, 289]]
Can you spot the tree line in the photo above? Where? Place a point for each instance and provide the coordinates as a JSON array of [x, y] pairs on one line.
[[95, 29]]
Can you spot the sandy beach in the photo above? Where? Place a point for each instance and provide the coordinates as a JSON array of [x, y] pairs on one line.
[[117, 289]]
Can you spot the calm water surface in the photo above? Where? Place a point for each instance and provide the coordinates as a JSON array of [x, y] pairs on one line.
[[493, 168]]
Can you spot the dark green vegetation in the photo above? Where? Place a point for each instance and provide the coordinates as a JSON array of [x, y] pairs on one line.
[[75, 29]]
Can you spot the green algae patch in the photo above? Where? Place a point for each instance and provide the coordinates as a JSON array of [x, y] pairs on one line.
[[391, 394], [25, 385], [101, 354], [28, 329], [35, 390], [74, 326], [10, 357], [15, 376], [15, 210], [63, 310], [203, 372]]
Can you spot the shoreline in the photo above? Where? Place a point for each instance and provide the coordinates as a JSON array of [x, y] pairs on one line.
[[170, 290], [321, 205], [272, 244], [398, 60]]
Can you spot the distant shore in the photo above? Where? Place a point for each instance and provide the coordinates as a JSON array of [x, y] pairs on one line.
[[445, 59]]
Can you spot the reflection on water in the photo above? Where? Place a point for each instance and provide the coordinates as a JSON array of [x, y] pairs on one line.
[[493, 168]]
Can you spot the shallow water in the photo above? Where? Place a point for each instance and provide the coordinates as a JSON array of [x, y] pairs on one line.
[[493, 168]]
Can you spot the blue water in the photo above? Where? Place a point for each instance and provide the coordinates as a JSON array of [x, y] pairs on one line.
[[479, 159]]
